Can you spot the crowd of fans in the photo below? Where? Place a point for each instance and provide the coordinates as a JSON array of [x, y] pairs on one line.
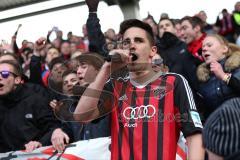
[[41, 82]]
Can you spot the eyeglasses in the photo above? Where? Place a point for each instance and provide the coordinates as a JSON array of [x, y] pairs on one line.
[[6, 74]]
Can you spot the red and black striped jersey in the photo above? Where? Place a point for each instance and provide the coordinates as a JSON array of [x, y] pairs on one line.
[[146, 120]]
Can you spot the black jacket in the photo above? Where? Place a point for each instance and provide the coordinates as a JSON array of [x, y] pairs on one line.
[[26, 116], [95, 35], [176, 56]]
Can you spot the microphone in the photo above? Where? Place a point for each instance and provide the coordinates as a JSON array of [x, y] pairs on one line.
[[117, 57]]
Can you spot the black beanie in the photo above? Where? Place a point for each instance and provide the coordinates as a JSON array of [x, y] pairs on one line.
[[221, 134]]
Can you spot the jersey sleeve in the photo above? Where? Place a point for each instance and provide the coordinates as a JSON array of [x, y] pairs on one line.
[[190, 121]]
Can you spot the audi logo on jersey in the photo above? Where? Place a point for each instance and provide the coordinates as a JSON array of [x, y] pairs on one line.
[[139, 112]]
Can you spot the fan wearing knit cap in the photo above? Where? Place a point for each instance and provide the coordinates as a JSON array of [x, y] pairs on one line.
[[221, 134]]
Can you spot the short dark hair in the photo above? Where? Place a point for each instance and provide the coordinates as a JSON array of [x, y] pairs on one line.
[[55, 61], [125, 25], [165, 18], [176, 21], [67, 72], [16, 66], [194, 21]]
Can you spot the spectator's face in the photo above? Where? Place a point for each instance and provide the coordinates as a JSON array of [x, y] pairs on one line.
[[69, 35], [24, 43], [65, 48], [75, 39], [73, 47], [136, 40], [213, 50], [225, 13], [178, 31], [237, 6], [57, 71], [110, 34], [86, 73], [59, 34], [188, 32], [56, 43], [73, 64], [68, 82], [8, 79], [110, 45], [203, 16], [166, 26], [51, 54]]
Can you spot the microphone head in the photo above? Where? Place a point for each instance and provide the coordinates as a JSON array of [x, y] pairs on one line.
[[117, 57], [114, 58]]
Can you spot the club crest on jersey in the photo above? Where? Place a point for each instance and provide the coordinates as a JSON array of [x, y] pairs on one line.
[[159, 92], [123, 98]]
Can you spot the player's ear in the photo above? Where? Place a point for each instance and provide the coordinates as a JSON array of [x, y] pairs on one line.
[[153, 51]]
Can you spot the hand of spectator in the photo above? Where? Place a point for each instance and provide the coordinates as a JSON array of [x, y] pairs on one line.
[[92, 5], [217, 69], [39, 46], [32, 145], [58, 139], [55, 105], [5, 47]]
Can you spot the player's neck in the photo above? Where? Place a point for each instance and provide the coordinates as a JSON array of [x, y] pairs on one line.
[[143, 76]]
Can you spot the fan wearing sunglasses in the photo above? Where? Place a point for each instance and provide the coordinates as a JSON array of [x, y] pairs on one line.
[[6, 74], [9, 78], [26, 120]]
